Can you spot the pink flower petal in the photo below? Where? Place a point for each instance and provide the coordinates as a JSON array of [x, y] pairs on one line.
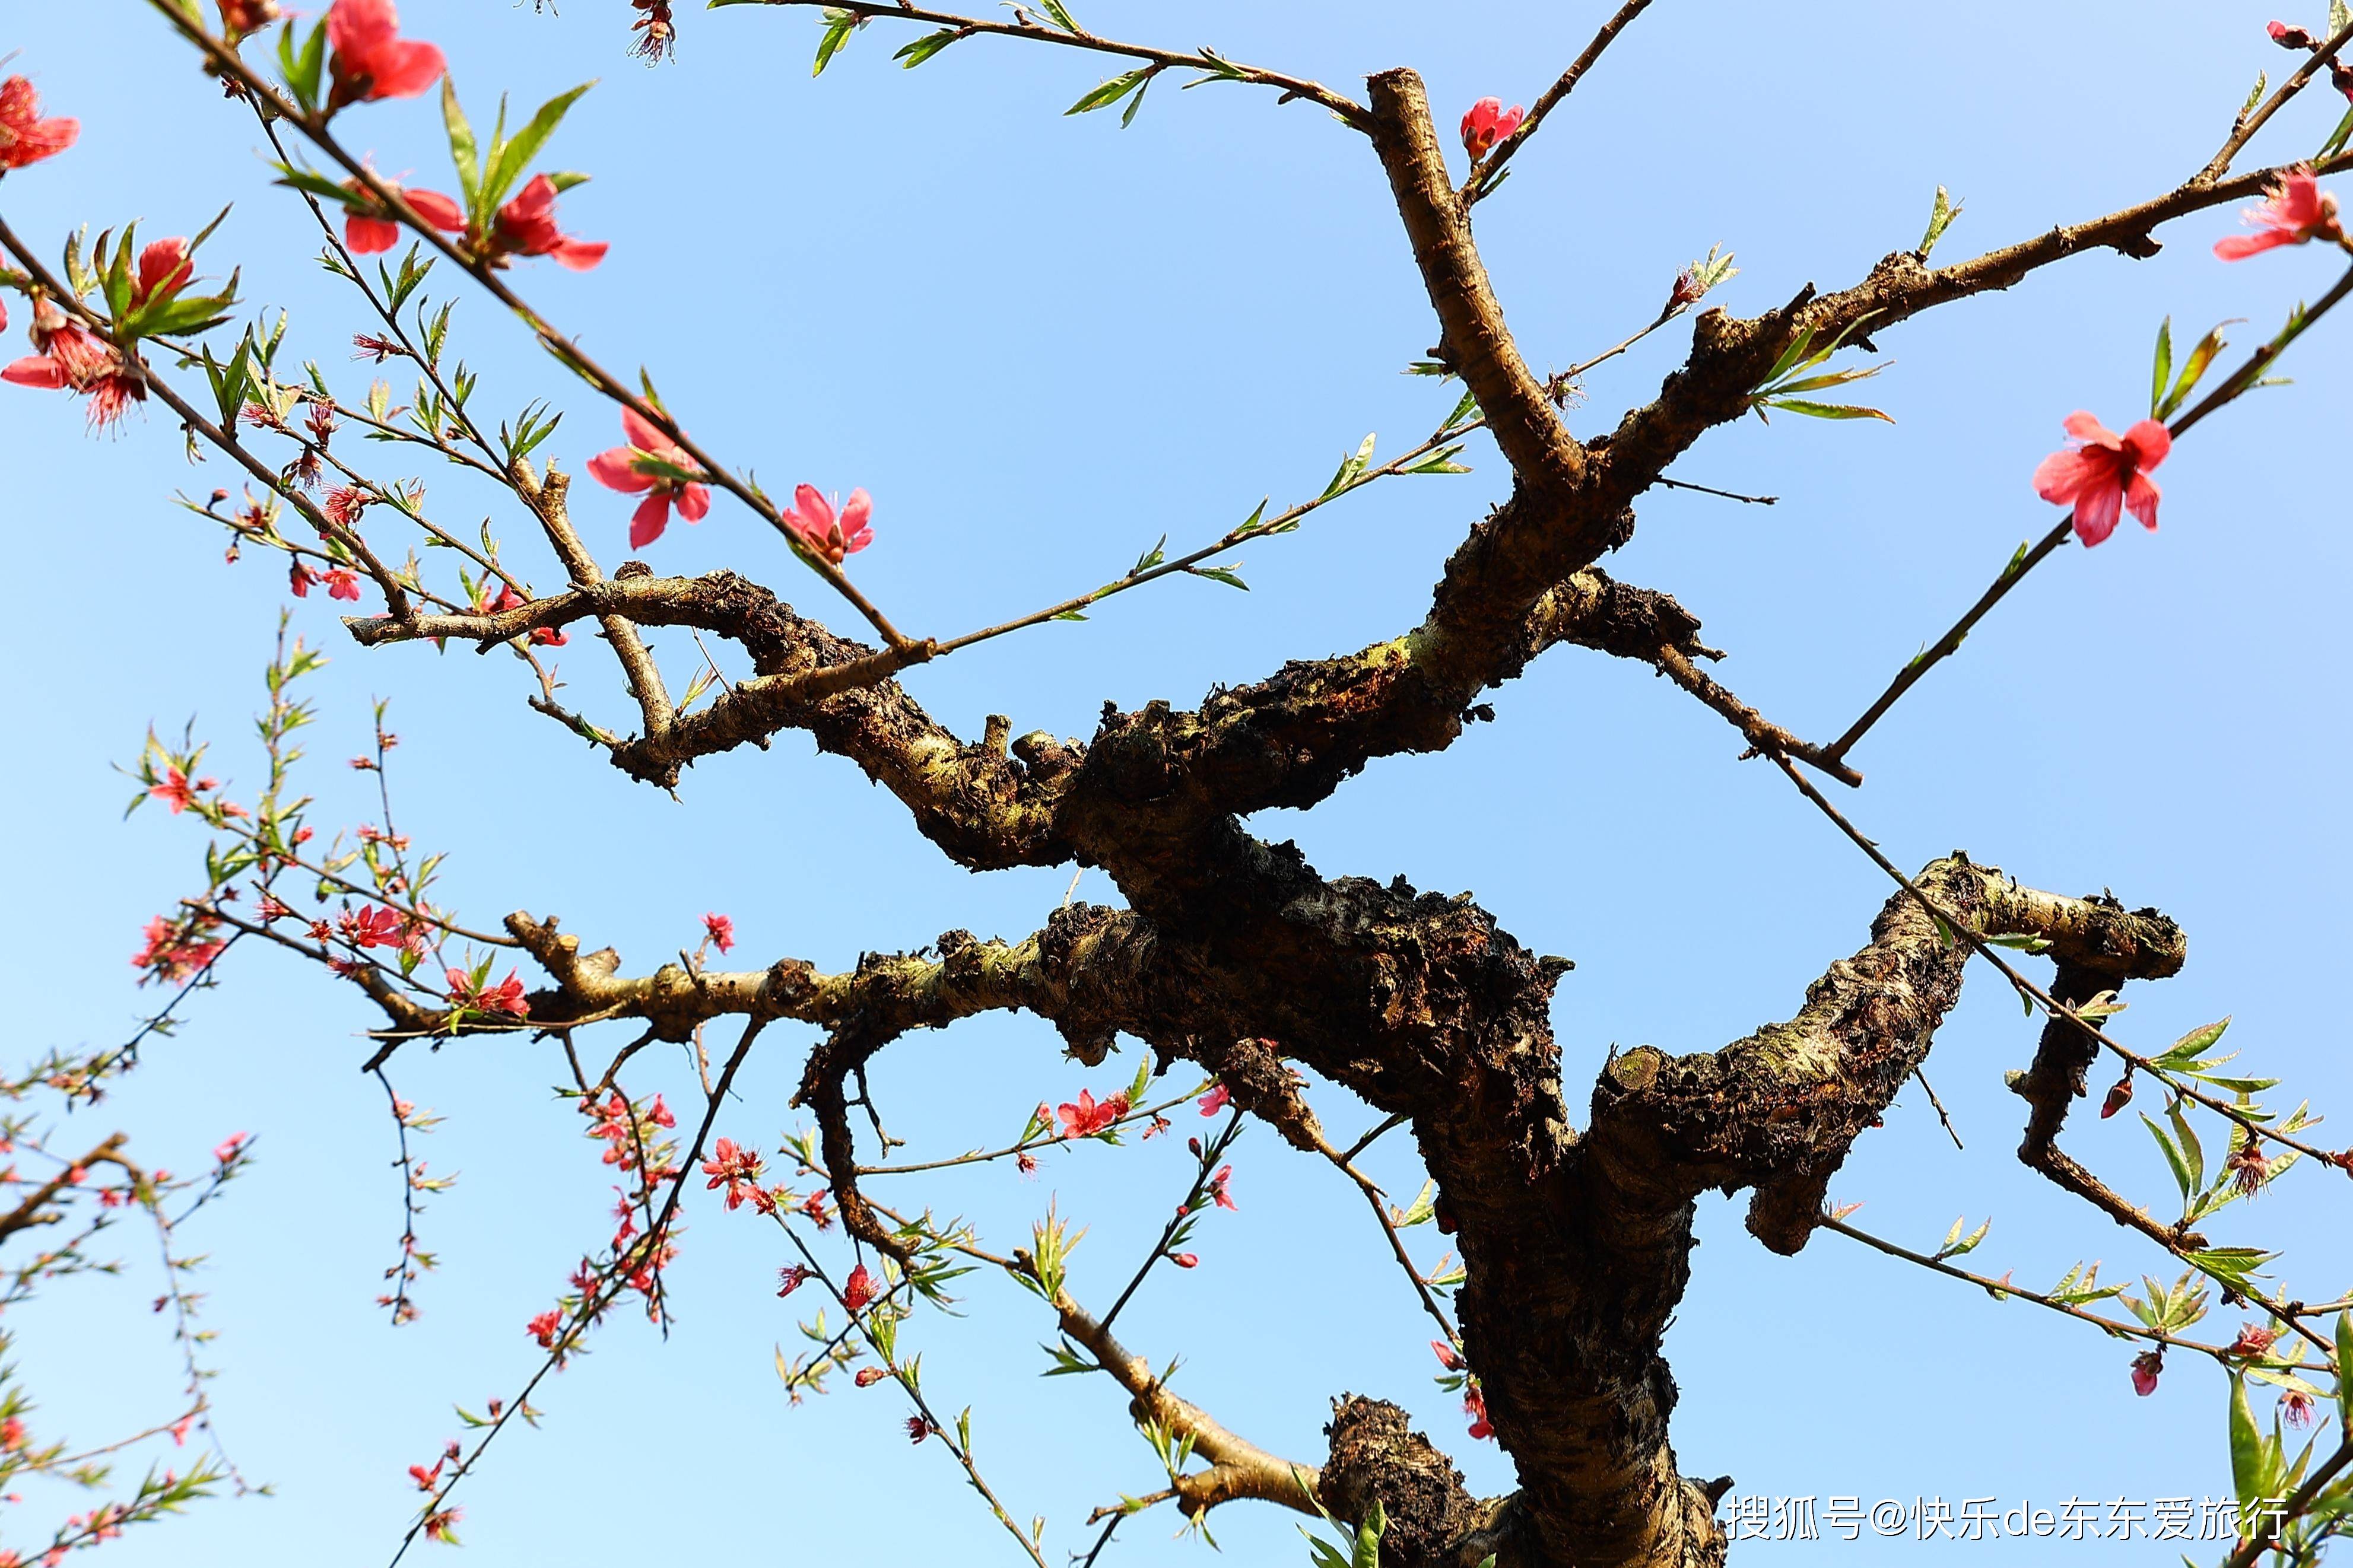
[[646, 525], [2148, 443], [366, 235], [2062, 475], [436, 209], [643, 432], [615, 470], [815, 512], [580, 255], [164, 266], [2096, 510], [2089, 431], [2239, 247], [694, 502], [358, 26], [2140, 498], [38, 371], [406, 69]]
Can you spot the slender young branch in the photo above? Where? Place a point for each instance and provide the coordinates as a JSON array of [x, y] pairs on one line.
[[1483, 176], [2233, 387], [2243, 130], [566, 351], [1345, 108]]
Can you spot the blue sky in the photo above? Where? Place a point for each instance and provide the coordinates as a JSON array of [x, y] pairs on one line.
[[1041, 342]]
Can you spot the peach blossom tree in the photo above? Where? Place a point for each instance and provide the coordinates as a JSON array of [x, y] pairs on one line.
[[1249, 976]]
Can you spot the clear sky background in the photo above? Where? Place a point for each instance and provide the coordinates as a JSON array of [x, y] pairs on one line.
[[1042, 343]]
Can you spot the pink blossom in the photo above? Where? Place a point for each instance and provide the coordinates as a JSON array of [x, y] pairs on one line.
[[867, 1376], [506, 998], [25, 136], [2254, 1339], [172, 954], [2295, 210], [1474, 1405], [824, 533], [230, 1148], [2248, 1167], [1217, 1100], [526, 226], [737, 1169], [1488, 122], [544, 1328], [857, 1289], [177, 792], [791, 1279], [342, 582], [918, 1429], [1185, 1259], [621, 469], [2145, 1367], [2295, 1407], [300, 578], [720, 930], [371, 59], [1218, 1187], [1447, 1356], [369, 227], [2104, 473], [1085, 1117], [74, 359]]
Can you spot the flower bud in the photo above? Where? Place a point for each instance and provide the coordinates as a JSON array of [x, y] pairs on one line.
[[2289, 37]]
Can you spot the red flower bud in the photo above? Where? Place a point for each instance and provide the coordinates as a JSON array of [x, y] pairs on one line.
[[2120, 1096]]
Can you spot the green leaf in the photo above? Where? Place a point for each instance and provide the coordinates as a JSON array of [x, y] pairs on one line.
[[1367, 1552], [462, 151], [1351, 470], [2262, 80], [1827, 410], [312, 184], [838, 26], [1251, 523], [1108, 93], [2193, 369], [304, 66], [2188, 1047], [2173, 1160], [1940, 218], [2193, 1154], [2162, 371], [1150, 558], [511, 159], [2246, 1446], [1228, 576], [1061, 15], [1466, 409], [1127, 116], [2345, 1367], [2336, 138], [923, 49]]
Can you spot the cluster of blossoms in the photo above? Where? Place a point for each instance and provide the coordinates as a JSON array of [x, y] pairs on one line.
[[177, 949], [525, 225], [474, 993], [738, 1170], [71, 358]]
